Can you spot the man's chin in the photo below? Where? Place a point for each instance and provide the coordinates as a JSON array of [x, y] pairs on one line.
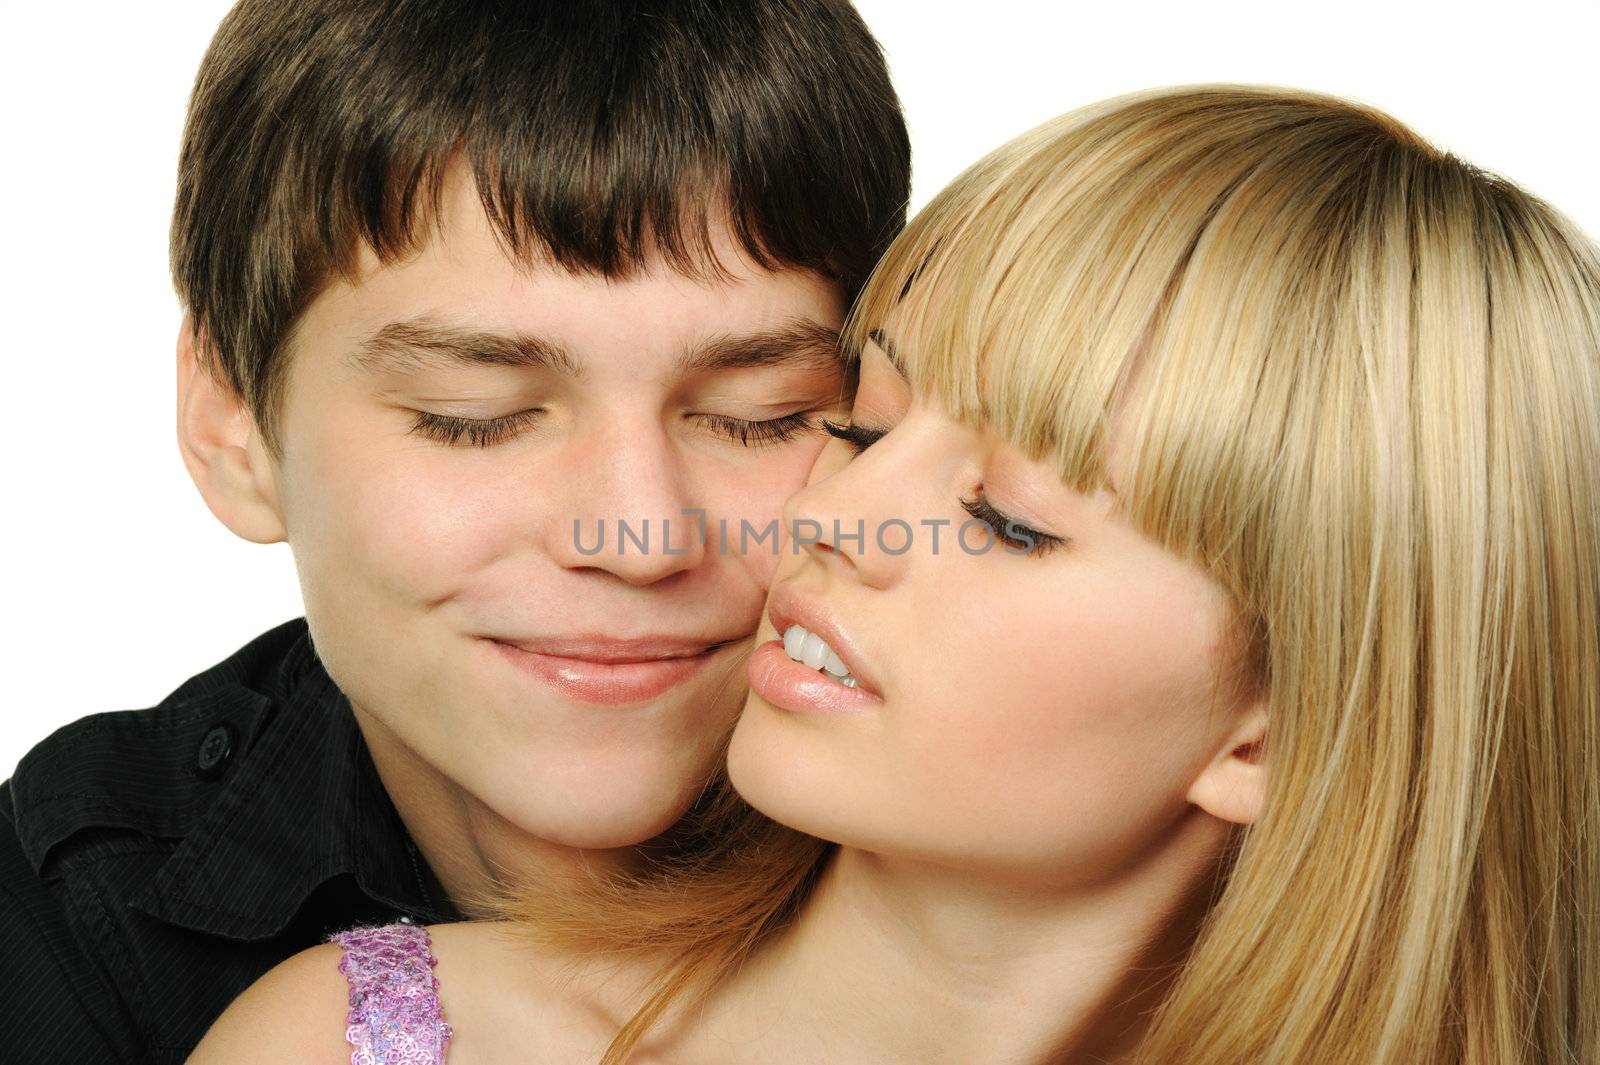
[[599, 818]]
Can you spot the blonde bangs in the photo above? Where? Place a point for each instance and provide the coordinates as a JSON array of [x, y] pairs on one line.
[[1163, 264]]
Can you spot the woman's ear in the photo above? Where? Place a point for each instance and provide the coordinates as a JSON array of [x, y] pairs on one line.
[[222, 447], [1234, 785]]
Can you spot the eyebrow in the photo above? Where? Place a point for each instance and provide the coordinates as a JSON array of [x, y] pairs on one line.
[[422, 343], [799, 342], [877, 337]]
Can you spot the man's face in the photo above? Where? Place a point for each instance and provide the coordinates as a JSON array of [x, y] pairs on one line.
[[570, 691]]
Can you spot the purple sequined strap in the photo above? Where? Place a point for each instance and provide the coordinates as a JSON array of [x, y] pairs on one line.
[[394, 1016]]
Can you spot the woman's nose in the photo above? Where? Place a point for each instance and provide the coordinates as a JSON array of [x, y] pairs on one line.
[[871, 512]]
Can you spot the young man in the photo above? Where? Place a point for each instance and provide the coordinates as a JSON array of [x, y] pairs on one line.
[[469, 287]]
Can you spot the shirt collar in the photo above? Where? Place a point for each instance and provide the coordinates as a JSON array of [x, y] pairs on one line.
[[304, 805]]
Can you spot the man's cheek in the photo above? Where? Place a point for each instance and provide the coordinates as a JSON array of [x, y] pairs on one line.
[[396, 536], [756, 509]]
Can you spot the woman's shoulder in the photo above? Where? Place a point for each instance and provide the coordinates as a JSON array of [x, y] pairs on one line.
[[369, 988], [495, 984], [540, 1001], [294, 1015]]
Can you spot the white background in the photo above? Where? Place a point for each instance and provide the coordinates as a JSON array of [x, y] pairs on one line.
[[120, 583]]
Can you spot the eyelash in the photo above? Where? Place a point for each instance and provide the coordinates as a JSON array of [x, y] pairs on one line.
[[486, 432], [771, 431], [480, 432], [1009, 530], [1006, 529], [859, 437]]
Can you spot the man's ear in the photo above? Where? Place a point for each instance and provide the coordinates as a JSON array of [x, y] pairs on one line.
[[222, 447], [1234, 785]]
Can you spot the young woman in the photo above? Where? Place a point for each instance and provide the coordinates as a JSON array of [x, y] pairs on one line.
[[1198, 627]]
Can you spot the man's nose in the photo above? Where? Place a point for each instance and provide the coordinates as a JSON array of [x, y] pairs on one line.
[[630, 507]]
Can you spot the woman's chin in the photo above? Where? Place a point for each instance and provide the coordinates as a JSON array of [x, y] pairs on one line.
[[781, 775], [762, 762]]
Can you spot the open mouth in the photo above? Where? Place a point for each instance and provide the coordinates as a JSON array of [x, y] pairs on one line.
[[811, 650]]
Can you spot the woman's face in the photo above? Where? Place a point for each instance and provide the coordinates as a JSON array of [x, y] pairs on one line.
[[1034, 715]]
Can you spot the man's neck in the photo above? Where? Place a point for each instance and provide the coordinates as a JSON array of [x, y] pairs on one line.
[[471, 850]]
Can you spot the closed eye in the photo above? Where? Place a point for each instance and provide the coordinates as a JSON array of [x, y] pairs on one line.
[[754, 433], [859, 437], [487, 432], [1019, 539], [478, 432]]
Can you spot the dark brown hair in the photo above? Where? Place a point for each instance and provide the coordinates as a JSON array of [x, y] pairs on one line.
[[597, 132]]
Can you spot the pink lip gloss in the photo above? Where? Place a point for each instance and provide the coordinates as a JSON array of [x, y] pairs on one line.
[[791, 685]]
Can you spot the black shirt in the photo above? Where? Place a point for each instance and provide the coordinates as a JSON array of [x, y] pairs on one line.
[[153, 863]]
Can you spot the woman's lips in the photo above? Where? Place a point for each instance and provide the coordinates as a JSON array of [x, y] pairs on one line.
[[789, 605], [791, 685], [611, 681]]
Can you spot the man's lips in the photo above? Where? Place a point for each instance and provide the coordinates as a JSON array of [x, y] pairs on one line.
[[610, 650], [611, 672]]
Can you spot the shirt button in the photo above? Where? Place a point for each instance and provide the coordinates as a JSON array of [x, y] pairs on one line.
[[215, 750]]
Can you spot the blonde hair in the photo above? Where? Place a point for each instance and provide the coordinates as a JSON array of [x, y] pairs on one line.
[[1368, 401]]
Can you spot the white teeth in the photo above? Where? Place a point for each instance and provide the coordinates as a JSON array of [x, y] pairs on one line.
[[809, 649], [814, 651], [793, 636]]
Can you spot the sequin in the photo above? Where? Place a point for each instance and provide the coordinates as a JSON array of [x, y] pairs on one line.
[[394, 1016]]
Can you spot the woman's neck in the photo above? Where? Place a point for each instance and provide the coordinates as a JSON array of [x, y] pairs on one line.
[[901, 961]]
